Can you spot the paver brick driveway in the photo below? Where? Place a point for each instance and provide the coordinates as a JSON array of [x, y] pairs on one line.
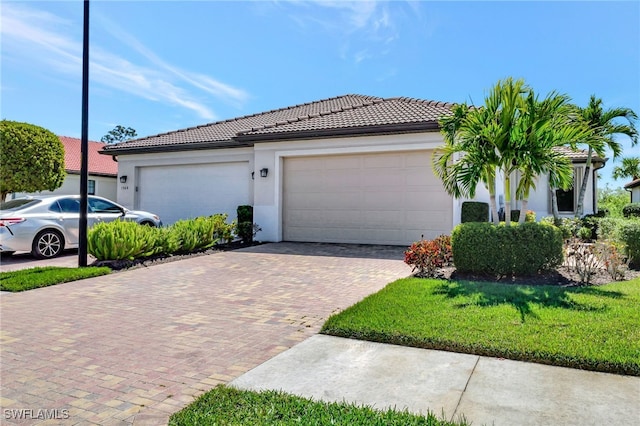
[[136, 346]]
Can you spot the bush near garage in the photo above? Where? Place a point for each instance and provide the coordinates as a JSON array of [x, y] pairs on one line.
[[474, 211], [245, 227], [425, 256], [519, 249], [122, 240], [631, 210]]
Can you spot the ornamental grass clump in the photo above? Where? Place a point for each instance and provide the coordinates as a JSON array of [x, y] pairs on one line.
[[121, 240], [425, 256]]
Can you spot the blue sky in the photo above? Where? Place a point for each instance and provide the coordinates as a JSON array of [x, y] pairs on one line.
[[161, 66]]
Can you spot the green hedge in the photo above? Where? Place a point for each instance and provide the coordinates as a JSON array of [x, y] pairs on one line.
[[474, 211], [631, 210], [629, 234], [520, 249]]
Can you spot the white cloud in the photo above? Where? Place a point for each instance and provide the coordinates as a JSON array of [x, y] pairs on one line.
[[360, 25], [51, 43]]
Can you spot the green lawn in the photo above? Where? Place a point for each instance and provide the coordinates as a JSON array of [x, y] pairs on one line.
[[595, 328], [28, 279], [228, 406]]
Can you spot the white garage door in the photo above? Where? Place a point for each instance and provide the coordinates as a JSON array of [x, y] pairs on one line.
[[390, 198], [187, 191]]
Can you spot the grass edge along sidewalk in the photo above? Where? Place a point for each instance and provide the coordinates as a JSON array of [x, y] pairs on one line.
[[228, 405], [584, 327]]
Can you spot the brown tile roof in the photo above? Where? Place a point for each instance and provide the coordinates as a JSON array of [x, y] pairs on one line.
[[339, 116], [348, 113], [98, 164], [580, 155], [633, 184]]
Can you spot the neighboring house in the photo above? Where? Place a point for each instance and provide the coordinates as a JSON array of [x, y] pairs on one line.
[[103, 171], [350, 169], [634, 188]]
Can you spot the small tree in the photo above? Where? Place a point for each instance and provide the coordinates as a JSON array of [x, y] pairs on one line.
[[604, 127], [31, 158], [119, 134], [630, 168]]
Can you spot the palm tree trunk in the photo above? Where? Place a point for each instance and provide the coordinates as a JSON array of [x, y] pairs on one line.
[[583, 187], [523, 210], [494, 209], [491, 186], [554, 206], [507, 199]]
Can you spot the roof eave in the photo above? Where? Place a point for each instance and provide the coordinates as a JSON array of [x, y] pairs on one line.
[[192, 146]]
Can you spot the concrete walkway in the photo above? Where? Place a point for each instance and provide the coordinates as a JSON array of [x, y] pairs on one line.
[[484, 390], [136, 346]]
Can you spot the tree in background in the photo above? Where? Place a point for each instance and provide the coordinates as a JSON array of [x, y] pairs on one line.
[[31, 159], [629, 169], [119, 134], [604, 127], [612, 200]]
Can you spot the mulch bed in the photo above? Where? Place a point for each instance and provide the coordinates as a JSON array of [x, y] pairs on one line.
[[562, 276]]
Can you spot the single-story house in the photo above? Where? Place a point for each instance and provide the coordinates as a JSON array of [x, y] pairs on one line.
[[634, 188], [103, 171], [349, 169]]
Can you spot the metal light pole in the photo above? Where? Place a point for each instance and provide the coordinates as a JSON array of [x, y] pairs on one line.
[[84, 142]]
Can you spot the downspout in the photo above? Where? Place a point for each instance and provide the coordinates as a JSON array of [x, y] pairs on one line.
[[594, 184]]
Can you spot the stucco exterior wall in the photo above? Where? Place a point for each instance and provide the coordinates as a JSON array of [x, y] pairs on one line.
[[105, 186]]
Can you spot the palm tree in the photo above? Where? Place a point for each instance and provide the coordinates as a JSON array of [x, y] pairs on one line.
[[604, 128], [541, 127], [630, 168], [512, 132]]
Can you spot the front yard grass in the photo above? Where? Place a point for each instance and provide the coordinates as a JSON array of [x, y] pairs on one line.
[[594, 328], [27, 279], [225, 405]]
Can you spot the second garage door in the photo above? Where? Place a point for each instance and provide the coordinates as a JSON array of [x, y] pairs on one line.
[[388, 198], [187, 191]]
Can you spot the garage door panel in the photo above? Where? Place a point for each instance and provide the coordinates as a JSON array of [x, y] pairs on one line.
[[187, 191], [386, 198]]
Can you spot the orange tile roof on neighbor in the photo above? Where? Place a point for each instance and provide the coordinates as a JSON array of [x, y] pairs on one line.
[[102, 165]]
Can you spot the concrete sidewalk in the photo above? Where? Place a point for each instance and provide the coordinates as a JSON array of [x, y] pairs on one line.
[[484, 390]]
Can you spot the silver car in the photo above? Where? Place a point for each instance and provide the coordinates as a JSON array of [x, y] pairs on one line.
[[46, 226]]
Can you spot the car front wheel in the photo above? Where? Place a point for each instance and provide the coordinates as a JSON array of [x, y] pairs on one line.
[[47, 244]]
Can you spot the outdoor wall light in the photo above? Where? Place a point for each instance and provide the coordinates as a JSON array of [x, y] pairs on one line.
[[253, 174], [264, 172], [123, 179]]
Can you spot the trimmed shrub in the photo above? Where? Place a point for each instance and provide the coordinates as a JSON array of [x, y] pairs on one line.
[[246, 229], [629, 234], [121, 240], [521, 249], [245, 213], [631, 210], [474, 211]]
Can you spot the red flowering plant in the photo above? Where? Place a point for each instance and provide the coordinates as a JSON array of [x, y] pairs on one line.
[[425, 256]]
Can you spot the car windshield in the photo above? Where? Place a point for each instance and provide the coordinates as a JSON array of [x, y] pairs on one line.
[[102, 206], [18, 204]]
